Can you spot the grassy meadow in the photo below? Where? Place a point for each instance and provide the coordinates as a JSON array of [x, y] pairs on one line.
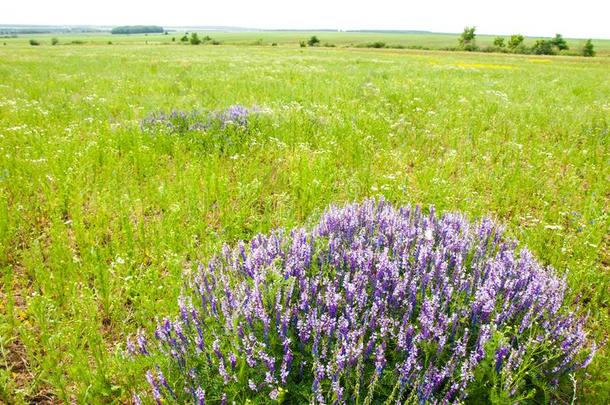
[[432, 41], [98, 219]]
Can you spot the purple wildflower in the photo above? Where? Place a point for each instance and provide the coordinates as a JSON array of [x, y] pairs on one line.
[[371, 290]]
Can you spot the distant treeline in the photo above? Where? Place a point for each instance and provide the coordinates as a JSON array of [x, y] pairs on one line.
[[137, 29], [515, 44]]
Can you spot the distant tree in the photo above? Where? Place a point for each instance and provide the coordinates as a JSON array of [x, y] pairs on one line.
[[185, 38], [313, 41], [33, 42], [543, 47], [137, 29], [559, 42], [467, 39], [302, 44], [499, 42], [173, 39], [515, 41], [54, 41], [587, 49], [195, 39], [206, 38]]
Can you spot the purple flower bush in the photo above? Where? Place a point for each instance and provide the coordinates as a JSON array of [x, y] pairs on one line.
[[374, 305], [180, 122]]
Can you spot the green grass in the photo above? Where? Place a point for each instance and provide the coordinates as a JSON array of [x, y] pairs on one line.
[[98, 220], [433, 41]]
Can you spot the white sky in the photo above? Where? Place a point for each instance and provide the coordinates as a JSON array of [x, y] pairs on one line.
[[581, 19]]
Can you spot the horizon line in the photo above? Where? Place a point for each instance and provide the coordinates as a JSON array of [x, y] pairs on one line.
[[255, 29]]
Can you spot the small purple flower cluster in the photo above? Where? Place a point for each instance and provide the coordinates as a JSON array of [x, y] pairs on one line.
[[375, 302], [236, 114], [181, 122]]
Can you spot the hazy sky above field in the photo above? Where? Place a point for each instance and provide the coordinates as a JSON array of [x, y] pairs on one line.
[[584, 18]]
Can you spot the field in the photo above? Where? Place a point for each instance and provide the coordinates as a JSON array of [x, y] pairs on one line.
[[98, 219], [433, 41]]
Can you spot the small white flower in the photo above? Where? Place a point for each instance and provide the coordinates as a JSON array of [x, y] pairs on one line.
[[428, 234]]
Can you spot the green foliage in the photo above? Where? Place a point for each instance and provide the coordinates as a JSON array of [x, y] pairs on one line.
[[550, 46], [515, 42], [302, 44], [587, 49], [560, 43], [313, 41], [544, 47], [34, 42], [185, 38], [194, 39], [377, 44], [54, 41], [499, 42], [136, 29], [467, 39]]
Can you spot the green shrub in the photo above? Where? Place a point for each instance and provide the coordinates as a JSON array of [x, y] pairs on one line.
[[515, 42], [33, 42], [313, 41], [499, 42], [560, 43], [54, 41], [467, 39], [543, 47], [377, 44], [587, 49], [195, 39]]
